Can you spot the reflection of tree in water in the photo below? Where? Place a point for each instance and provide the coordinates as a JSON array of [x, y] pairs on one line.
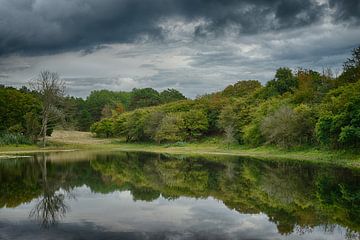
[[51, 207], [298, 198]]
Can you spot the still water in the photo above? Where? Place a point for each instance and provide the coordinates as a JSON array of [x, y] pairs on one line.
[[126, 195]]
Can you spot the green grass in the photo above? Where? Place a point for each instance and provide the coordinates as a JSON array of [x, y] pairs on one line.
[[212, 146]]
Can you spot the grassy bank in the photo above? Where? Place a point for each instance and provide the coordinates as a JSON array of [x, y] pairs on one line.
[[66, 140]]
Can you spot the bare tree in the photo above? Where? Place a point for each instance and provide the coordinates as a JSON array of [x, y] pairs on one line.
[[51, 206], [51, 89], [229, 135]]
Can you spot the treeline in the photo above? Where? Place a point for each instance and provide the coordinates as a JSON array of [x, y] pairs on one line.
[[296, 108], [21, 110], [81, 113]]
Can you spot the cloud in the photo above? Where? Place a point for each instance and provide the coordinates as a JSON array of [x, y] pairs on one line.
[[348, 10], [49, 26], [195, 46]]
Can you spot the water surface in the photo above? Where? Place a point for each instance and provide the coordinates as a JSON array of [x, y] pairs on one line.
[[124, 195]]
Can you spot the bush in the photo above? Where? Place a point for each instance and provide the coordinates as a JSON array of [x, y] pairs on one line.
[[280, 127], [104, 128], [287, 127], [195, 123], [13, 139], [171, 129], [339, 122]]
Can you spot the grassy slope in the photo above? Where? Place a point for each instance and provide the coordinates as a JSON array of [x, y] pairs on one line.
[[62, 140]]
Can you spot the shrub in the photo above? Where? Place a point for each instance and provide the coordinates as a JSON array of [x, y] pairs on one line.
[[195, 123], [104, 128], [339, 122], [13, 139], [287, 127], [171, 128]]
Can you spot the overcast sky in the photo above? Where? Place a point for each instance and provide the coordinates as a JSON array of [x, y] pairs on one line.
[[195, 46]]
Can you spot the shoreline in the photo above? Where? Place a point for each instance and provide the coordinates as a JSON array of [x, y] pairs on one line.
[[336, 158]]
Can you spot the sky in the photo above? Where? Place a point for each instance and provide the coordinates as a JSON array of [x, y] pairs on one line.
[[195, 46]]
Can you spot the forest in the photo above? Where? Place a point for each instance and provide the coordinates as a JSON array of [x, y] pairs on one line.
[[299, 107]]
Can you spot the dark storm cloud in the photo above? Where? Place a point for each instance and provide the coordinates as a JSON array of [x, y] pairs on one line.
[[48, 26], [346, 9]]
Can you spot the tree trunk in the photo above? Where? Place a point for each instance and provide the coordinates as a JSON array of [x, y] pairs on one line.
[[45, 128]]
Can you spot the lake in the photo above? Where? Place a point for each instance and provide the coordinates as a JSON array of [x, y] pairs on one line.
[[129, 195]]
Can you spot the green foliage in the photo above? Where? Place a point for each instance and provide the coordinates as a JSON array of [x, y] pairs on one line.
[[14, 105], [286, 127], [171, 95], [212, 105], [195, 123], [284, 82], [241, 88], [144, 97], [312, 86], [84, 120], [135, 125], [252, 131], [13, 139], [104, 128], [153, 123], [33, 126], [351, 68], [291, 110], [236, 116], [339, 121], [171, 128], [98, 99], [319, 110]]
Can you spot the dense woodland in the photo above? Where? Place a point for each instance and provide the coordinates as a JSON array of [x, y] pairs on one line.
[[299, 107]]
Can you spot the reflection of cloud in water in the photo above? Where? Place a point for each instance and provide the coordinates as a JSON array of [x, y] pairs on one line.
[[116, 215]]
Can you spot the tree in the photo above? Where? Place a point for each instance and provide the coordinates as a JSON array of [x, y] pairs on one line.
[[284, 82], [241, 88], [144, 97], [14, 104], [32, 126], [339, 121], [119, 108], [51, 206], [312, 86], [351, 68], [235, 115], [104, 128], [97, 99], [279, 127], [171, 95], [106, 111], [153, 122], [287, 127], [229, 135], [84, 120], [195, 123], [135, 125], [171, 128], [51, 89]]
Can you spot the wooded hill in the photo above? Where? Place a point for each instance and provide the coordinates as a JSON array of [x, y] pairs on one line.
[[296, 108], [302, 107]]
